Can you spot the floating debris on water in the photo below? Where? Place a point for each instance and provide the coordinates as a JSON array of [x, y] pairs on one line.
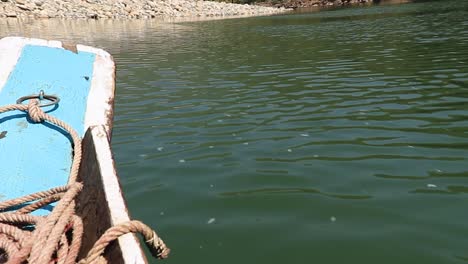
[[333, 219], [211, 185], [211, 147], [160, 148], [289, 150], [438, 171], [316, 156], [409, 146], [212, 220], [181, 160], [143, 155], [430, 185], [246, 143], [305, 135], [161, 213]]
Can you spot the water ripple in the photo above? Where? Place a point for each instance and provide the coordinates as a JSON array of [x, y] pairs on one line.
[[240, 120], [272, 191]]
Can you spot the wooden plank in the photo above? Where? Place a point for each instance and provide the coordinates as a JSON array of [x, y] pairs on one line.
[[100, 105], [101, 204]]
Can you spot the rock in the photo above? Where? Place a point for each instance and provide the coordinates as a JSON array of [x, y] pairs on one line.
[[92, 15], [131, 8], [152, 4], [11, 14], [43, 14], [25, 7]]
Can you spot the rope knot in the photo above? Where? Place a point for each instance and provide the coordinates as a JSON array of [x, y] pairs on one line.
[[157, 247], [35, 112]]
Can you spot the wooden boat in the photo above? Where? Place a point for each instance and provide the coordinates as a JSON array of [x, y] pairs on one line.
[[37, 156]]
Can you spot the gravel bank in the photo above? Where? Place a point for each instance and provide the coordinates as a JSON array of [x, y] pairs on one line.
[[123, 9]]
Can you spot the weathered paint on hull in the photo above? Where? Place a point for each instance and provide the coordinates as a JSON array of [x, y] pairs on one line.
[[101, 204], [36, 157]]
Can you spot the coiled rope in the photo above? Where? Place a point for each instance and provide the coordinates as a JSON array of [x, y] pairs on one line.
[[56, 238]]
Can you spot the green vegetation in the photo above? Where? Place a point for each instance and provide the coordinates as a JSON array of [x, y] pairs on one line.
[[236, 1]]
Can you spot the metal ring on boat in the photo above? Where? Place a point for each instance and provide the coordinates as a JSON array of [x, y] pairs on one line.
[[41, 96]]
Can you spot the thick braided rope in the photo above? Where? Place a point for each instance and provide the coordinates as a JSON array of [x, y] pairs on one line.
[[41, 203], [13, 232], [32, 197], [49, 236], [19, 218], [37, 115], [51, 232], [77, 237], [156, 246]]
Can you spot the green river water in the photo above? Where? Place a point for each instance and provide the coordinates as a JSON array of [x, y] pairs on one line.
[[338, 136]]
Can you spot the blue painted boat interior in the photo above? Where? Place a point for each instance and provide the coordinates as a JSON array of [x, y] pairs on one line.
[[36, 157]]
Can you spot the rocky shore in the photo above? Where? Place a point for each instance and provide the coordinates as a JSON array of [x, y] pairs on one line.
[[312, 3], [123, 9]]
